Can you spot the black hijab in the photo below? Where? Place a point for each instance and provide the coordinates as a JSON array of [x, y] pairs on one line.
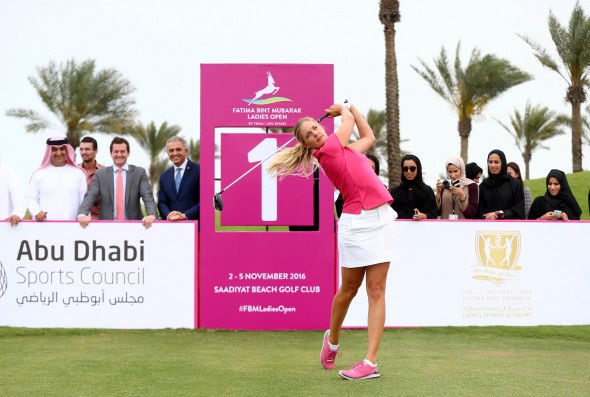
[[413, 194], [422, 191], [472, 169], [375, 160], [564, 200], [497, 179], [417, 183]]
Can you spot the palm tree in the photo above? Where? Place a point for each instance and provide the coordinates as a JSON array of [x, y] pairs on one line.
[[194, 150], [377, 122], [531, 129], [83, 99], [573, 48], [585, 124], [469, 90], [389, 15], [153, 141]]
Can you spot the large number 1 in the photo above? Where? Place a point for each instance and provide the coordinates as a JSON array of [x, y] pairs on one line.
[[269, 183]]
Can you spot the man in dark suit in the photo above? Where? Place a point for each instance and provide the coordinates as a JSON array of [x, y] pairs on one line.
[[179, 194], [121, 179]]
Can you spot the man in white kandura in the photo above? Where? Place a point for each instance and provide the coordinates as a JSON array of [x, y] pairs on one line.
[[57, 187]]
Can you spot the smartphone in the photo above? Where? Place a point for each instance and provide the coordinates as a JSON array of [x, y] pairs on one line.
[[557, 213]]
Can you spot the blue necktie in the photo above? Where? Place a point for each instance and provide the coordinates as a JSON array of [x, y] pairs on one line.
[[177, 178]]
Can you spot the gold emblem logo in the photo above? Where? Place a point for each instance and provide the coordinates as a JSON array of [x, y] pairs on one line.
[[497, 254], [3, 280]]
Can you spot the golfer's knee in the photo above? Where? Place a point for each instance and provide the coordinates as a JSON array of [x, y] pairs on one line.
[[376, 291], [348, 293]]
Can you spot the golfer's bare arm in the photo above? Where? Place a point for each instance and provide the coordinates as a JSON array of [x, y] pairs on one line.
[[345, 131], [367, 137]]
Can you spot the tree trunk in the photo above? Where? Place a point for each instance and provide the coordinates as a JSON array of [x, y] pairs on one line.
[[392, 107], [576, 137], [464, 127], [527, 156], [576, 96]]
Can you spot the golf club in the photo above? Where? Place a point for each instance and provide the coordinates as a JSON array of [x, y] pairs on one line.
[[218, 202]]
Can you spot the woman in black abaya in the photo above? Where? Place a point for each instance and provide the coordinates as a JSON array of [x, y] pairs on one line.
[[413, 199], [500, 195], [558, 201]]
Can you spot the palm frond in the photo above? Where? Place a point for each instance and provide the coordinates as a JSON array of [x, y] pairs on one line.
[[82, 99]]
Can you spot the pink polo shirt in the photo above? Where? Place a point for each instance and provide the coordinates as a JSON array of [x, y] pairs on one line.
[[353, 176]]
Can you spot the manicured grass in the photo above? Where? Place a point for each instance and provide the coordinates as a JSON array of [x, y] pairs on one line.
[[579, 183], [440, 361]]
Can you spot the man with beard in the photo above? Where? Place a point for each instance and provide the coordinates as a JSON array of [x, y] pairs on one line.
[[88, 152], [57, 187]]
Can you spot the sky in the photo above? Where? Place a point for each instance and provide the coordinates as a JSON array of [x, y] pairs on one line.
[[159, 45]]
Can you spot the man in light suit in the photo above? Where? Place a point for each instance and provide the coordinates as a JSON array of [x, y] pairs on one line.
[[135, 186], [182, 203]]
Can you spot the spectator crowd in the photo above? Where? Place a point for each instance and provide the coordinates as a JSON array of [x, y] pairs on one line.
[[60, 189]]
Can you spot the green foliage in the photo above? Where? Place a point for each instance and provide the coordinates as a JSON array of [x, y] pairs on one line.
[[377, 121], [153, 140], [83, 99], [531, 128], [579, 184], [468, 90], [572, 44], [194, 150], [437, 361]]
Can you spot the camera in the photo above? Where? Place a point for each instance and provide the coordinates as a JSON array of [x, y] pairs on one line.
[[557, 213], [500, 214], [447, 184]]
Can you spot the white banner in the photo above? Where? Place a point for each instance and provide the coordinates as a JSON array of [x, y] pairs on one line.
[[109, 275], [455, 273], [119, 275]]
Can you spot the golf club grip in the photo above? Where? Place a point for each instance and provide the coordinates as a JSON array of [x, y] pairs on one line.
[[323, 117], [327, 114]]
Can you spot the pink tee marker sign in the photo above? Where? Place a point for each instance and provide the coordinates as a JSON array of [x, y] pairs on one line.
[[260, 198], [263, 280]]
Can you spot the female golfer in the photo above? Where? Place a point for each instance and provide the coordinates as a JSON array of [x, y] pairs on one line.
[[364, 229]]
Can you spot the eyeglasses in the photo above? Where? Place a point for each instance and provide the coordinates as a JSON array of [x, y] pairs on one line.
[[410, 168]]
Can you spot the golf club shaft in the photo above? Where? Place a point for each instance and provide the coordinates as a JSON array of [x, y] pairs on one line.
[[256, 165], [275, 152]]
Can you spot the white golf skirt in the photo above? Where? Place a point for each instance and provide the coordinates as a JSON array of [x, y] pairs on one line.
[[366, 239]]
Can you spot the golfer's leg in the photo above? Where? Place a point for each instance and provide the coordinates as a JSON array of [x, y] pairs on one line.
[[351, 281], [376, 281]]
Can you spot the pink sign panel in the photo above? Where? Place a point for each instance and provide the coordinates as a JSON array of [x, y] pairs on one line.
[[263, 280], [267, 281], [267, 95], [259, 198]]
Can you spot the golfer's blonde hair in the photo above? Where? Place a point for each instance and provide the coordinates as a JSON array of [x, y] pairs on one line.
[[296, 160]]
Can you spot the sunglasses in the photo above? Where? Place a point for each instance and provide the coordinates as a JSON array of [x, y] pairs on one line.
[[410, 168]]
